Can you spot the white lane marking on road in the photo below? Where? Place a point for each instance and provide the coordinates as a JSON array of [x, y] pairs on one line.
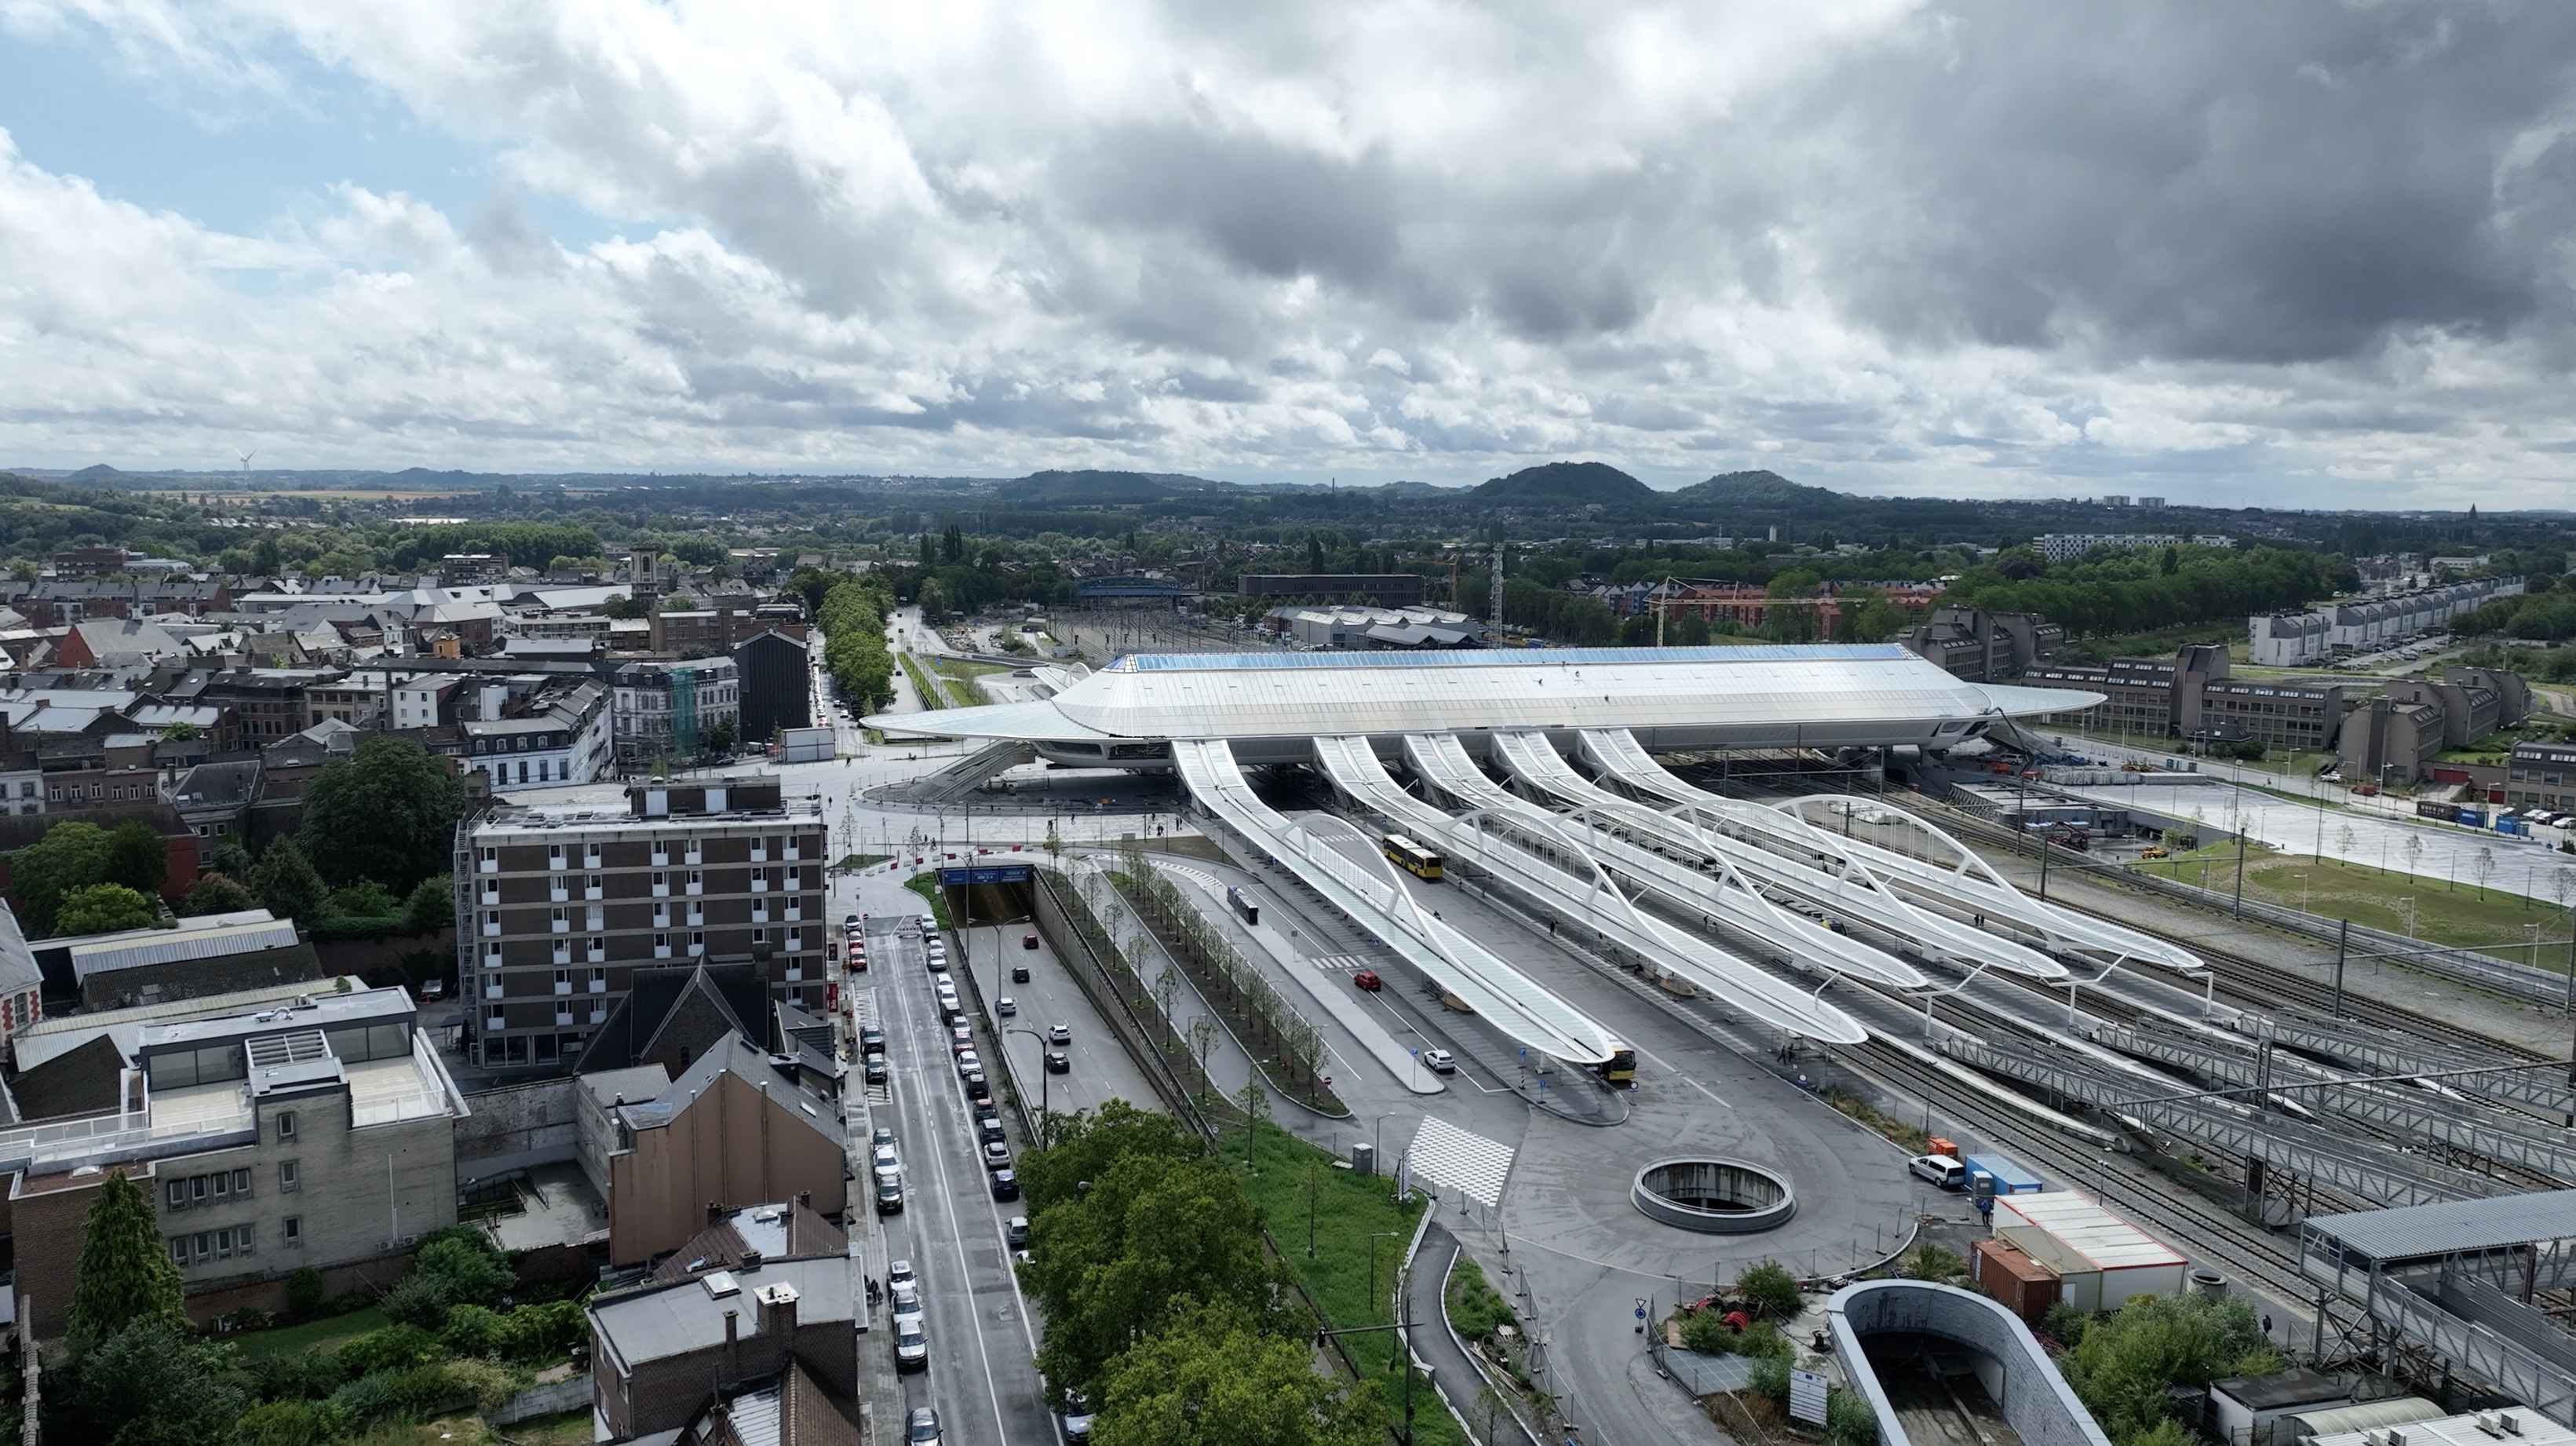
[[1703, 1089]]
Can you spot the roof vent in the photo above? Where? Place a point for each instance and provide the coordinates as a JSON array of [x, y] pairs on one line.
[[720, 1284]]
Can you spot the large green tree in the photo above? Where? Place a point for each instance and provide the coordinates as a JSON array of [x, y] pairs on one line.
[[137, 857], [125, 1273], [2127, 1363], [1086, 1144], [287, 883], [70, 856], [1114, 1265], [387, 812], [1211, 1378], [104, 909]]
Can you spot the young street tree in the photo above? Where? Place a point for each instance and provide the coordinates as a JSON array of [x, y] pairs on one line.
[[125, 1274], [387, 812]]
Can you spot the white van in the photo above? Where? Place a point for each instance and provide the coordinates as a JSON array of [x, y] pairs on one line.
[[1940, 1170]]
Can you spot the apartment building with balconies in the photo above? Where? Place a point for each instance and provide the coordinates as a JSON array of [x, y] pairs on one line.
[[558, 907]]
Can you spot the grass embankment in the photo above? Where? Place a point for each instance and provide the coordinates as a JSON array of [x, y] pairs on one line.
[[927, 885], [863, 861], [1351, 1212], [326, 1334], [959, 675], [2492, 920]]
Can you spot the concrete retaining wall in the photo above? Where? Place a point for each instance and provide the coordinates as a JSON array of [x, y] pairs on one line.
[[516, 1126], [2036, 1400]]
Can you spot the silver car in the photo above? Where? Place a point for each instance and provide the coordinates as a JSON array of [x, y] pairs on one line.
[[911, 1344]]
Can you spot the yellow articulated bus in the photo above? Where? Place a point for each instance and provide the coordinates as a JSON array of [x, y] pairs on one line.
[[1411, 857]]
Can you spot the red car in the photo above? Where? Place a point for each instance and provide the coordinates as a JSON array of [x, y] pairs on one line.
[[1028, 941], [1367, 979]]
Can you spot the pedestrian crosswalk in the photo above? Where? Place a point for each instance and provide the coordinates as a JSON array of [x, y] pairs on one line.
[[1339, 963], [1200, 877], [1452, 1159]]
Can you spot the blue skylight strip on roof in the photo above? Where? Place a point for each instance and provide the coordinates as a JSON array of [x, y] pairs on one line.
[[1510, 657]]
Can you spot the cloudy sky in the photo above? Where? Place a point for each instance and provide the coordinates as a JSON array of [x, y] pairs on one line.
[[2293, 251]]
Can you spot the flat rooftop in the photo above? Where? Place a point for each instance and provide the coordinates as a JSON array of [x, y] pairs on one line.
[[2451, 1226]]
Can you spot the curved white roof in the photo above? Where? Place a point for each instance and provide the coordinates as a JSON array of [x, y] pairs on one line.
[[1845, 690]]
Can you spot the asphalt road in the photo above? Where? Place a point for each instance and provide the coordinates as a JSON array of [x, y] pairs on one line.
[[1102, 1070], [982, 1377]]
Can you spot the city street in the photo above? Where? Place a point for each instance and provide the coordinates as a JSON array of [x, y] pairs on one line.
[[982, 1375]]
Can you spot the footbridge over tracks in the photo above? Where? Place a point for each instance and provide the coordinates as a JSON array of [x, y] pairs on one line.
[[2353, 1168], [1851, 893], [1590, 900], [1370, 897], [1712, 889]]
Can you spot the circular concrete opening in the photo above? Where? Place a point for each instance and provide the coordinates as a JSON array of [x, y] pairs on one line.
[[1714, 1197]]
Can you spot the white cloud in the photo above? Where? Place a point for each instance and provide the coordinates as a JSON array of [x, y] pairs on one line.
[[1428, 240]]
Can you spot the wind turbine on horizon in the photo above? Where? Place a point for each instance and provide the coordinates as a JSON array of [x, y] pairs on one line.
[[245, 460]]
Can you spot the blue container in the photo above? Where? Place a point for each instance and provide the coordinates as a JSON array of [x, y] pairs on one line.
[[2009, 1177]]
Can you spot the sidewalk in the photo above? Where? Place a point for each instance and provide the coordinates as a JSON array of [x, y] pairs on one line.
[[1439, 1349]]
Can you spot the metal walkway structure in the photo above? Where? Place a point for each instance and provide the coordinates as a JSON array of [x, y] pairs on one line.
[[2427, 1280], [2427, 1117], [1852, 894], [2358, 1170], [1369, 895], [2386, 1052], [1713, 890], [1593, 902]]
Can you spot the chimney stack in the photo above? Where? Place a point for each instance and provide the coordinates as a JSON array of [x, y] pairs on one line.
[[733, 1346], [715, 1213], [777, 1305]]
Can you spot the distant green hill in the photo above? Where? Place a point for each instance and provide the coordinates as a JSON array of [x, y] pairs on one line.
[[1754, 489], [1564, 484]]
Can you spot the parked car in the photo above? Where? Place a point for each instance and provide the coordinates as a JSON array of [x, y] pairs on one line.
[[1006, 1185], [1058, 1062], [1016, 1231], [969, 1062], [997, 1156], [911, 1344], [988, 1132], [1439, 1061], [921, 1428], [872, 1040], [874, 1071], [1367, 979], [899, 1272], [906, 1296], [885, 1163], [976, 1088], [889, 1197], [880, 1136]]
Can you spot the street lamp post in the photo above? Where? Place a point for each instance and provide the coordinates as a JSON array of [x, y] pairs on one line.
[[1377, 1151]]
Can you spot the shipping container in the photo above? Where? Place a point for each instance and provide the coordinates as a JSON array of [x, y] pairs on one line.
[[2473, 817], [2009, 1177], [2432, 808], [2012, 1279]]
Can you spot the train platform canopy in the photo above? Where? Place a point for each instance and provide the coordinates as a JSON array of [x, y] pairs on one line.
[[1763, 696], [2451, 1227]]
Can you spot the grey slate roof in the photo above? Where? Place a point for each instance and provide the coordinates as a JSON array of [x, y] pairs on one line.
[[2452, 1225]]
